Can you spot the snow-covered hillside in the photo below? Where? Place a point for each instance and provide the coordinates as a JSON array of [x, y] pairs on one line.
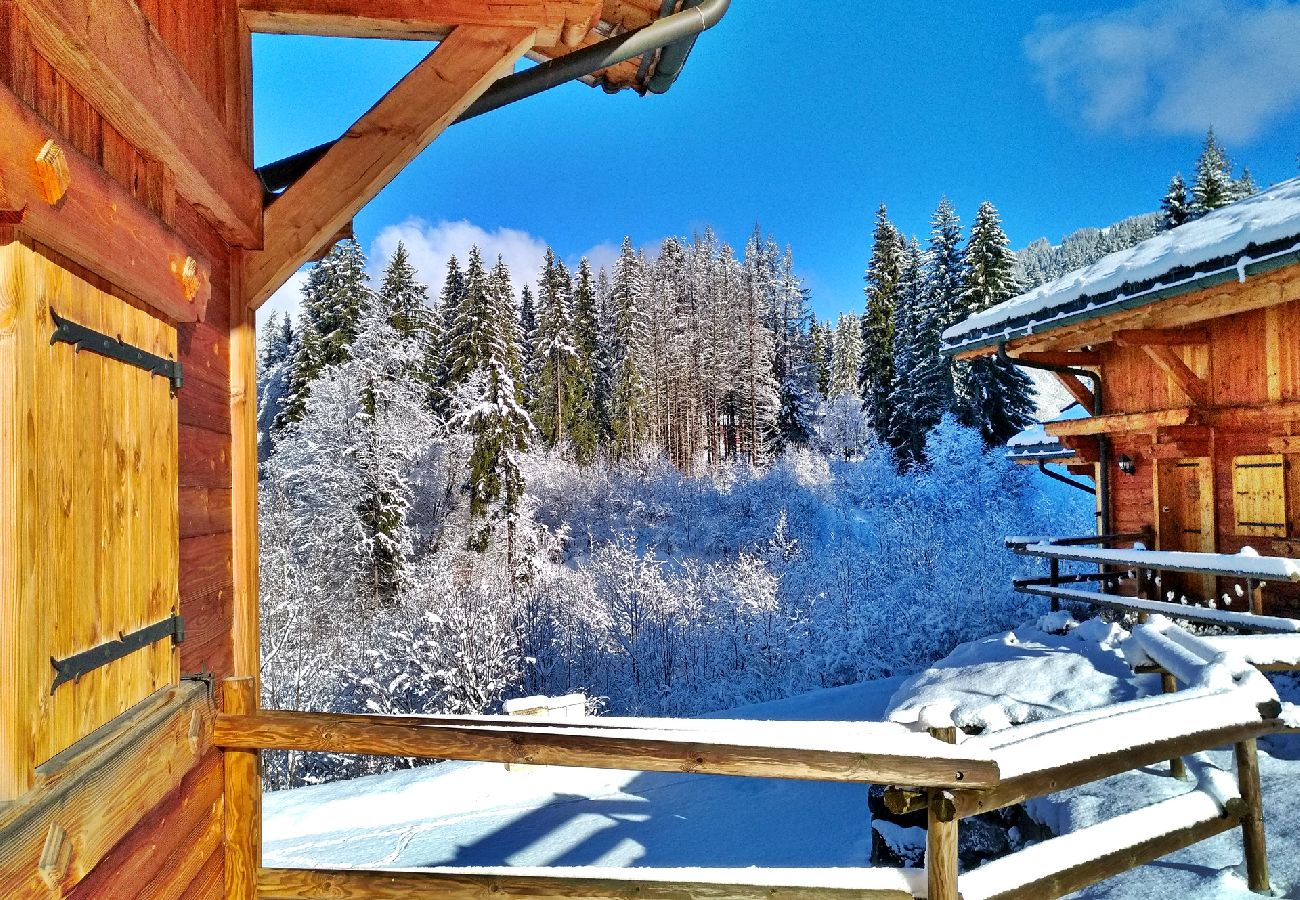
[[477, 814]]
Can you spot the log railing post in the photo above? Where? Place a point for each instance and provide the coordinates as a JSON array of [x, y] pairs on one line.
[[1252, 823], [1055, 580], [1177, 768], [243, 783], [941, 835]]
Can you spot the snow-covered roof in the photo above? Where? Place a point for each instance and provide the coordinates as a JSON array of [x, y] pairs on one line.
[[1248, 237], [1034, 443]]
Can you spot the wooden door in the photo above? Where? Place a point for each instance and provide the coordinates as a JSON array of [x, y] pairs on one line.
[[1184, 497]]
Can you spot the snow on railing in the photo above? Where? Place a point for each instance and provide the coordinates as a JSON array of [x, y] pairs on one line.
[[1226, 702], [1232, 565]]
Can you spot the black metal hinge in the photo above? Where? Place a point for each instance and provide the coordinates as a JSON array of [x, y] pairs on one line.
[[79, 664], [83, 338]]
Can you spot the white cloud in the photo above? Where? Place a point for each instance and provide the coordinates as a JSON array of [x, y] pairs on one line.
[[286, 299], [429, 246], [1174, 68]]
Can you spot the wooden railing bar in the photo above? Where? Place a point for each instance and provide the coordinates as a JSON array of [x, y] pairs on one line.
[[589, 748], [611, 884], [1259, 568], [1243, 621]]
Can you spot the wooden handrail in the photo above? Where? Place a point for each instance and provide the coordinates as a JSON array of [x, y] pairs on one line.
[[1222, 617], [892, 755]]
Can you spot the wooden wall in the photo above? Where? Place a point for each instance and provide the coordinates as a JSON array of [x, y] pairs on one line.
[[176, 852], [1252, 360]]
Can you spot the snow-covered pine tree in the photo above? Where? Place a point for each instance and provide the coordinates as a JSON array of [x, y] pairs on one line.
[[992, 396], [876, 380], [846, 356], [628, 413], [757, 392], [447, 315], [333, 299], [1244, 186], [412, 317], [604, 339], [391, 429], [274, 365], [557, 358], [585, 430], [1174, 205], [794, 374], [1214, 185], [526, 337], [820, 336], [917, 402], [488, 404]]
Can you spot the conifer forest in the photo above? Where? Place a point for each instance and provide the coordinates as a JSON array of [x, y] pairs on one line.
[[664, 483]]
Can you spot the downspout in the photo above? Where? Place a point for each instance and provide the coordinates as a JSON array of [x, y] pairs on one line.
[[1057, 476], [672, 37], [1103, 442]]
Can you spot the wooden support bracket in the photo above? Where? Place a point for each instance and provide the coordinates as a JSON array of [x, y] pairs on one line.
[[374, 150], [1172, 365], [1078, 390], [52, 173]]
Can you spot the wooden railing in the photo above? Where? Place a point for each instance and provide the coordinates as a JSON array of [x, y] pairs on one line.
[[950, 781], [1144, 569]]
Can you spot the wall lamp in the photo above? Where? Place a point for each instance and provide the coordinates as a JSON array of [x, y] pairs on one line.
[[1126, 464]]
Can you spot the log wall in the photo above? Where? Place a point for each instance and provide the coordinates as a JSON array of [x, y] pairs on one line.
[[176, 851]]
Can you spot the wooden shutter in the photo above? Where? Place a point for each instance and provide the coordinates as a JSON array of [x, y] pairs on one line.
[[88, 511], [1259, 495]]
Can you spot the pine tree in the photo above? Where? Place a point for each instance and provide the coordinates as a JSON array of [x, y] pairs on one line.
[[846, 357], [918, 400], [820, 358], [876, 380], [557, 358], [628, 415], [411, 317], [992, 395], [336, 294], [274, 367], [1244, 186], [488, 402], [587, 413], [1174, 205], [1214, 186]]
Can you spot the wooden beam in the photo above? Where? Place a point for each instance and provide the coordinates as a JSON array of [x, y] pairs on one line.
[[1119, 423], [377, 148], [98, 790], [95, 221], [1078, 390], [111, 54], [1172, 365], [584, 883], [243, 791], [1061, 357], [245, 618], [556, 22], [1162, 337], [645, 750]]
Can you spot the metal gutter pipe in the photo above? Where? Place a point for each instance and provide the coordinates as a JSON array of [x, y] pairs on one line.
[[1057, 476], [1103, 442], [674, 35]]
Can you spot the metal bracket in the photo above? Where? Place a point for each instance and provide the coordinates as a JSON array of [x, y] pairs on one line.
[[83, 338], [79, 664]]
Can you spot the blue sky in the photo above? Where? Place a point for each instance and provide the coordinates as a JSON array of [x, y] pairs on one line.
[[804, 117]]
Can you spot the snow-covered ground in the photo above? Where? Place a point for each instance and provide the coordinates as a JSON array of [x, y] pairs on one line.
[[476, 814]]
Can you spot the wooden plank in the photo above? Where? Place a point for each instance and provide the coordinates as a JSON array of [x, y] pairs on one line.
[[243, 447], [638, 750], [1161, 337], [101, 788], [19, 532], [583, 884], [98, 224], [1049, 781], [112, 55], [565, 22], [1146, 421], [243, 783], [1078, 390], [377, 148], [1191, 384], [1252, 822], [1062, 358]]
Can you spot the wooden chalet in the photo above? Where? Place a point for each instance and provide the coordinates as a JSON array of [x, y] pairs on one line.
[[1186, 350], [136, 243]]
